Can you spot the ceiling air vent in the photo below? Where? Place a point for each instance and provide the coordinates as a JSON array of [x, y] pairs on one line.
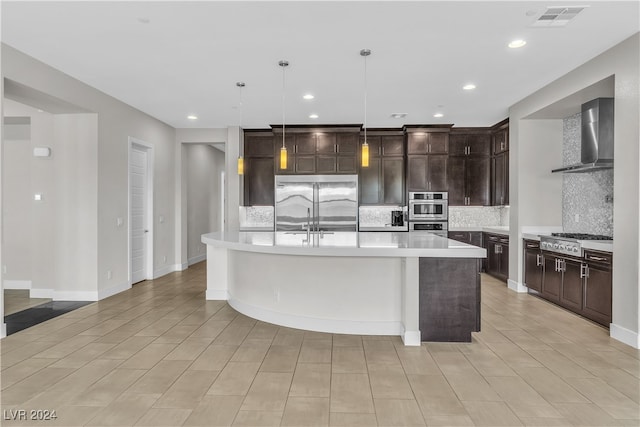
[[558, 16]]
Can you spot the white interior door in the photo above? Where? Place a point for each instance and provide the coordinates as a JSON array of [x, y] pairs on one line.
[[138, 165]]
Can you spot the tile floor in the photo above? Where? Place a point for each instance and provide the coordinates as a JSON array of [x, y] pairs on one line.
[[160, 355]]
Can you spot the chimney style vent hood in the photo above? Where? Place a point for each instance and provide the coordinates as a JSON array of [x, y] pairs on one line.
[[597, 137]]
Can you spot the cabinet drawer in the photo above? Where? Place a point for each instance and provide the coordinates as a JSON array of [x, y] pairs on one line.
[[605, 258], [531, 244]]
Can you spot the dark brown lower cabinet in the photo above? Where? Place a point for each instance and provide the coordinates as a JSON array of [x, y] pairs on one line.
[[497, 256], [471, 237], [532, 265], [449, 298], [598, 286], [582, 286]]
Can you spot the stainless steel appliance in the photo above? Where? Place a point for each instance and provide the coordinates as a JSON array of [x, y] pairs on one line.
[[568, 243], [316, 203], [432, 206], [439, 228], [429, 211], [596, 140]]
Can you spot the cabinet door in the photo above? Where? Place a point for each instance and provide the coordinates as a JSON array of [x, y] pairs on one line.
[[457, 145], [348, 164], [456, 180], [437, 172], [259, 182], [417, 173], [551, 279], [504, 260], [597, 295], [417, 143], [305, 143], [326, 143], [532, 266], [374, 145], [479, 145], [501, 141], [347, 143], [493, 257], [392, 145], [500, 184], [258, 145], [438, 143], [305, 164], [392, 180], [369, 181], [475, 238], [571, 294], [477, 181], [326, 164]]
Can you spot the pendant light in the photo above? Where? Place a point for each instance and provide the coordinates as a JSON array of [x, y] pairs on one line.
[[283, 151], [365, 145], [240, 158]]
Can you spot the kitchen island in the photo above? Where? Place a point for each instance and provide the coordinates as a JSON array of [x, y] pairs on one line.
[[417, 285]]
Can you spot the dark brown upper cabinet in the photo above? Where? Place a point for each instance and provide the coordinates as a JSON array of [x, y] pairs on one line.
[[470, 144], [427, 141], [382, 183], [258, 168]]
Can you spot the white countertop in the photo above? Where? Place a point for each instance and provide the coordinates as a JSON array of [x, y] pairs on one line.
[[495, 229], [357, 244]]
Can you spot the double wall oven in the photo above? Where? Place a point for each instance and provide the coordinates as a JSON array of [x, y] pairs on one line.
[[429, 211]]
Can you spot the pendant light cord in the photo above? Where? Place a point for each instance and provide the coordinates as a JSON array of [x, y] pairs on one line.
[[283, 97], [365, 99]]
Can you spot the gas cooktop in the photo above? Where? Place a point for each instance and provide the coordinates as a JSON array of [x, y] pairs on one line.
[[581, 236], [568, 243]]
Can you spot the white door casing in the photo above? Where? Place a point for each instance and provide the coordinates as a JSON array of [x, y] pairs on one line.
[[140, 211]]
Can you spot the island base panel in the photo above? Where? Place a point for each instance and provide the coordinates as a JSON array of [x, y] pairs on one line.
[[449, 298]]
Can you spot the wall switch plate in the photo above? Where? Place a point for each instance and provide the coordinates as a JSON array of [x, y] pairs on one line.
[[119, 222], [164, 259], [161, 219], [37, 197], [4, 269], [109, 275]]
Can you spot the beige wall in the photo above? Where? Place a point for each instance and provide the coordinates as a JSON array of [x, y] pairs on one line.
[[536, 194], [116, 122], [204, 167]]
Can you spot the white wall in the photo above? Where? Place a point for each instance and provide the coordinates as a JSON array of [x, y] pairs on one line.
[[204, 166], [184, 138], [18, 200], [115, 124], [539, 199], [3, 326]]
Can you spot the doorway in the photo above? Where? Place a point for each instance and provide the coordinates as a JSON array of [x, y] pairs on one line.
[[140, 211]]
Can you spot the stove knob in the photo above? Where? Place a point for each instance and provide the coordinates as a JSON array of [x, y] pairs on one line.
[[561, 247], [555, 246], [574, 249]]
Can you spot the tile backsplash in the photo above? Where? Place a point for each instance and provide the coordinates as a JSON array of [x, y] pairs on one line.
[[252, 217], [587, 198], [478, 216], [376, 216]]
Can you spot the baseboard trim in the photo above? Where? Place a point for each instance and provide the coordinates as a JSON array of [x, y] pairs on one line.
[[516, 286], [217, 295], [16, 284], [335, 326], [624, 335], [41, 293], [106, 293], [197, 259], [411, 338]]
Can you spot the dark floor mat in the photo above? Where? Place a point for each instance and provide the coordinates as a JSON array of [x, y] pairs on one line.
[[32, 316]]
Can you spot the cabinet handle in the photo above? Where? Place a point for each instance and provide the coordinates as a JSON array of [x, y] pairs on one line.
[[563, 265], [597, 258], [501, 145], [557, 267], [584, 271], [538, 260], [428, 148]]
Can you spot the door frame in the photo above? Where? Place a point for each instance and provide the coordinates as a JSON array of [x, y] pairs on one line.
[[140, 144]]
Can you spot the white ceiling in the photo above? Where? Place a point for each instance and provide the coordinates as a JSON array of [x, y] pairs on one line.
[[189, 55]]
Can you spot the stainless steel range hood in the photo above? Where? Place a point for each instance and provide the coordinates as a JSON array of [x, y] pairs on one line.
[[597, 137]]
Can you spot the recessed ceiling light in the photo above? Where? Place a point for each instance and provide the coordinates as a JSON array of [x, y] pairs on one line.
[[517, 43], [40, 111], [192, 117], [143, 20], [399, 115], [308, 96], [313, 116], [438, 115], [469, 86]]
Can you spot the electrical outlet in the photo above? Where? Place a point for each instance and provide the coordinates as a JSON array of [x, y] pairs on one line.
[[577, 218], [608, 198], [119, 222], [164, 259], [161, 219], [109, 275], [4, 269]]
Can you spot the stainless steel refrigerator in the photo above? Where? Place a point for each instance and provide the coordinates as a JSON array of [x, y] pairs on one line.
[[316, 202]]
